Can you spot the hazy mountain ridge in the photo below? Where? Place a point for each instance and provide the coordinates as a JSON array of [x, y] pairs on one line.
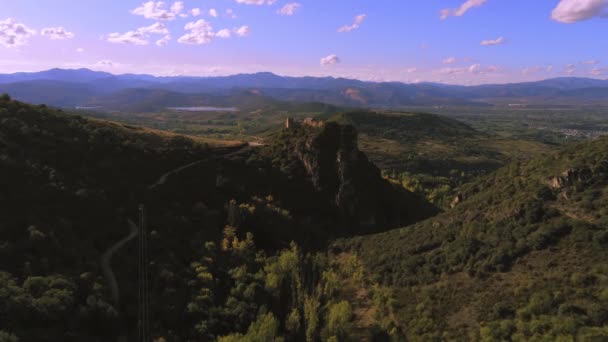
[[337, 91]]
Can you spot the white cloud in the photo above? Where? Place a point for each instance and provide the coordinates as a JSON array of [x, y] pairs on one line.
[[242, 31], [358, 21], [569, 69], [598, 71], [56, 33], [104, 63], [446, 12], [475, 68], [13, 34], [572, 11], [411, 70], [163, 41], [472, 69], [177, 7], [129, 37], [225, 33], [139, 36], [490, 42], [289, 9], [156, 10], [156, 28], [591, 62], [256, 2], [201, 32], [549, 68], [452, 71], [449, 60], [330, 60], [80, 50], [195, 12], [213, 12]]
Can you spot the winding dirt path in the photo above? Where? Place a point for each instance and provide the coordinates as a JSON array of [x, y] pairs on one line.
[[163, 179], [106, 258]]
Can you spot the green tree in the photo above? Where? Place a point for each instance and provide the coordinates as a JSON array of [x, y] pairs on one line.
[[6, 337], [264, 329], [339, 317], [292, 323], [311, 317]]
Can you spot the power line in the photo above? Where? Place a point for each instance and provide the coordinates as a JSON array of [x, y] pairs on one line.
[[143, 314]]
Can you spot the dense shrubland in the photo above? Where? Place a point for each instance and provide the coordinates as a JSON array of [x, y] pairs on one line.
[[524, 242], [240, 244], [223, 264]]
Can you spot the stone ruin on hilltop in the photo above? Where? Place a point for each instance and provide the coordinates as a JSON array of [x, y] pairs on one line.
[[311, 122]]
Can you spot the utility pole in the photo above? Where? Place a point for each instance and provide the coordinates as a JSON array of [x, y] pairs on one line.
[[143, 314]]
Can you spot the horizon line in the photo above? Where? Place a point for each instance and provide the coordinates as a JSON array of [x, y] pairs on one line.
[[308, 76]]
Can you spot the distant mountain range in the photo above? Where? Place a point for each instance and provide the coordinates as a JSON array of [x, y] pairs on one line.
[[84, 87]]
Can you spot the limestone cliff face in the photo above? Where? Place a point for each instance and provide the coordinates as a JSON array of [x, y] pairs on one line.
[[349, 181]]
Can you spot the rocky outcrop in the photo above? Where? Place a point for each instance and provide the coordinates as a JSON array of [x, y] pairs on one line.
[[571, 176], [350, 182], [457, 200]]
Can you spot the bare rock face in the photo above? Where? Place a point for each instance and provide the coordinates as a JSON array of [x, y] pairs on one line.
[[457, 200], [571, 176], [351, 183]]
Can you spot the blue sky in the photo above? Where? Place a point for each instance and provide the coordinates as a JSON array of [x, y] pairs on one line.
[[450, 41]]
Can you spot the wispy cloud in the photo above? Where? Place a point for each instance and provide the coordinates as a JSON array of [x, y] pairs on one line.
[[195, 12], [569, 69], [256, 2], [475, 68], [242, 31], [355, 25], [449, 60], [129, 37], [472, 69], [225, 33], [591, 62], [598, 71], [572, 11], [490, 42], [213, 12], [230, 13], [289, 9], [14, 34], [163, 41], [104, 63], [156, 28], [140, 36], [56, 33], [460, 11], [330, 60]]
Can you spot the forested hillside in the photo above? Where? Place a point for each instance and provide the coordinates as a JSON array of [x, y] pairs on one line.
[[237, 234], [433, 155], [522, 256]]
